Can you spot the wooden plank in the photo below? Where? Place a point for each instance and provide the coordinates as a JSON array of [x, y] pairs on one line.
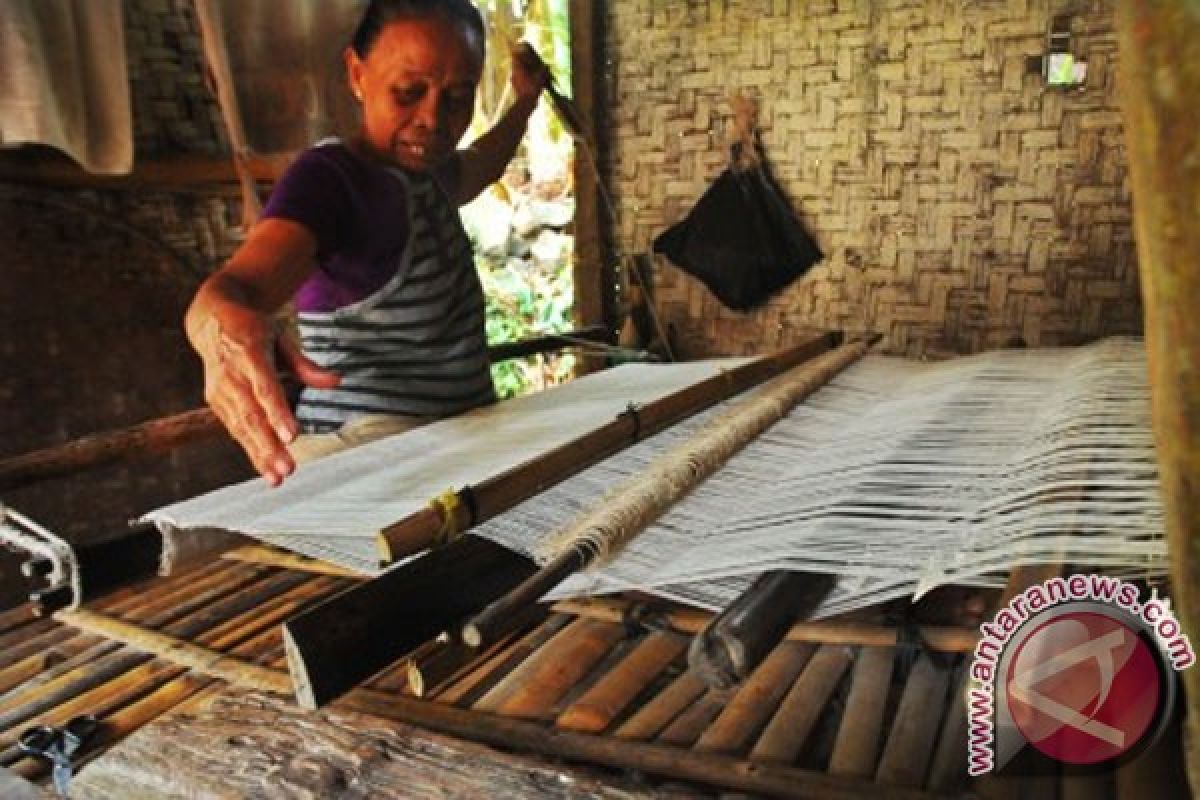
[[754, 703], [910, 743], [178, 172], [784, 737], [595, 710], [531, 690], [857, 745], [385, 618]]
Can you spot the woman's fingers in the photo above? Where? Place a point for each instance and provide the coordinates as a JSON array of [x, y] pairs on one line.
[[304, 368], [244, 392]]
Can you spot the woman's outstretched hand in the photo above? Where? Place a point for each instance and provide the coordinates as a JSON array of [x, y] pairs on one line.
[[244, 391]]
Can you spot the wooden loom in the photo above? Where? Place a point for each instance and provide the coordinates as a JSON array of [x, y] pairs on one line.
[[833, 710]]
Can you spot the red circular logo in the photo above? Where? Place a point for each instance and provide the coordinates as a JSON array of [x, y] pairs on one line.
[[1083, 688]]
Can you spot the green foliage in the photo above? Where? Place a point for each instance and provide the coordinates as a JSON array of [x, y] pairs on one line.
[[523, 257], [523, 303]]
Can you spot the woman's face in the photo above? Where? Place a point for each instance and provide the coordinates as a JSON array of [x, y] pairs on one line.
[[417, 89]]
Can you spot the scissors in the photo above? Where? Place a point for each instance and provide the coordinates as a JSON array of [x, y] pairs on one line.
[[57, 745]]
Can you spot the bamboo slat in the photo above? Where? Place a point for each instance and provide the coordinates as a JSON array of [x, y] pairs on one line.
[[595, 710], [532, 689], [428, 671], [502, 492], [910, 743], [657, 714], [686, 728], [14, 618], [492, 669], [755, 702], [857, 745], [785, 735]]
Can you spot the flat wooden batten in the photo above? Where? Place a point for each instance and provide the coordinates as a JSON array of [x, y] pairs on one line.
[[500, 493], [351, 636]]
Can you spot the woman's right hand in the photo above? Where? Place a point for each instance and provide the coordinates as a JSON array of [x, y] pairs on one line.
[[244, 391], [229, 325]]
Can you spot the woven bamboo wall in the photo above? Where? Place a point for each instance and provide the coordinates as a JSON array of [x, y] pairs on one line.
[[962, 204], [92, 293]]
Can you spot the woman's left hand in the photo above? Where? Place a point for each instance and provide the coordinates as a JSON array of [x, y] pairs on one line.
[[530, 75]]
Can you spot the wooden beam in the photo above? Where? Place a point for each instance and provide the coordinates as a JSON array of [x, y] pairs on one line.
[[46, 167], [347, 639], [1160, 98]]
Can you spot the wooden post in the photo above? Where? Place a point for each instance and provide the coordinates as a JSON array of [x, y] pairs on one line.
[[594, 275], [1160, 98]]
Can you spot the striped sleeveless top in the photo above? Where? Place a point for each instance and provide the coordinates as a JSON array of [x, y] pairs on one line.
[[416, 346]]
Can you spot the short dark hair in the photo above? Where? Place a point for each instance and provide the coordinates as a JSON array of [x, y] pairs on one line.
[[380, 12]]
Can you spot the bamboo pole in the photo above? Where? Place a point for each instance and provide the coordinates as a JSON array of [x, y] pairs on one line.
[[155, 436], [500, 493], [1160, 98], [941, 638], [449, 660]]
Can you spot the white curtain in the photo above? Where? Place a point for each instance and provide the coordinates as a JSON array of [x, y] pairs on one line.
[[64, 82]]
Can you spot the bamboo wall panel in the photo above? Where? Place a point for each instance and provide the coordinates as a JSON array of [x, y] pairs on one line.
[[961, 203]]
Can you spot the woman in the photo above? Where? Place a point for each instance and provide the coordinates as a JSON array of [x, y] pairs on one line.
[[364, 234]]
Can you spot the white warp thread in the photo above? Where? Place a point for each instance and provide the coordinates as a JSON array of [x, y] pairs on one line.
[[901, 476]]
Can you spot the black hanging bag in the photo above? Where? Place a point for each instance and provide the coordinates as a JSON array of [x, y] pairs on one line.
[[742, 239]]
